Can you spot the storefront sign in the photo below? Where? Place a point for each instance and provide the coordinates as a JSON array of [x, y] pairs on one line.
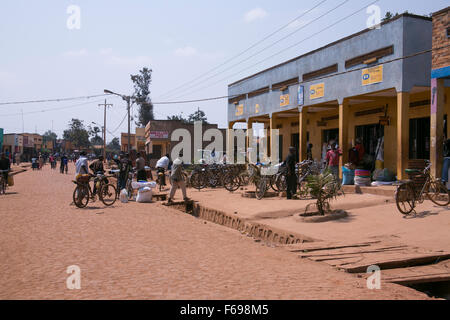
[[239, 110], [284, 100], [372, 75], [317, 91], [158, 135], [301, 95], [257, 108]]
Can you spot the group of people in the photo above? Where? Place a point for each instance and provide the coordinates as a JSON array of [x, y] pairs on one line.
[[125, 166]]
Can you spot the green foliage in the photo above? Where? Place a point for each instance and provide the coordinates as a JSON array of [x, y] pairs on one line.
[[77, 134], [142, 82], [324, 188], [198, 115], [114, 145], [49, 136], [177, 118]]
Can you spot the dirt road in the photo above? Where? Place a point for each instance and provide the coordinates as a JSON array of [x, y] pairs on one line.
[[146, 251]]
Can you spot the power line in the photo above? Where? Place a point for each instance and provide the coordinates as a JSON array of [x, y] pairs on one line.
[[264, 49], [52, 100], [284, 50], [51, 109], [246, 50], [118, 127]]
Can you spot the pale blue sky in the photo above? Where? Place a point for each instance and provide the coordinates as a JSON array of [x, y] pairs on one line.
[[179, 40]]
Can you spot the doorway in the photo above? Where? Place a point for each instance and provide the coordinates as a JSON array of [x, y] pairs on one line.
[[419, 138], [369, 135]]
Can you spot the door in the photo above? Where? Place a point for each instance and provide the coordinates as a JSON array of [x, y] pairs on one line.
[[419, 138]]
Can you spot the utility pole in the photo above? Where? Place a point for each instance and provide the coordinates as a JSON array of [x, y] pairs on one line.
[[105, 105]]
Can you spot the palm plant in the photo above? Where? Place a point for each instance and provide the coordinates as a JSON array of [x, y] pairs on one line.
[[324, 188]]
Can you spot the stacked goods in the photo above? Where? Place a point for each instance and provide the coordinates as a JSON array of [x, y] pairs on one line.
[[362, 177], [348, 176]]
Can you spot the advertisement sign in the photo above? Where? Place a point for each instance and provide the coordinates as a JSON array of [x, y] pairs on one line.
[[372, 75], [301, 95], [257, 108], [158, 135], [317, 91], [239, 110], [1, 139], [284, 100]]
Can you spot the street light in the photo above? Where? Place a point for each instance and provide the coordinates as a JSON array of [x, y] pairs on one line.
[[130, 100]]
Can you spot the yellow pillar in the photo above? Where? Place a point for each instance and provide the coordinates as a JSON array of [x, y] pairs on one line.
[[344, 111], [437, 126], [302, 127], [230, 143], [402, 134], [271, 139]]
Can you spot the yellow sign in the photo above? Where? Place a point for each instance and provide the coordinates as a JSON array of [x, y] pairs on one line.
[[317, 91], [257, 108], [239, 110], [372, 75], [284, 100]]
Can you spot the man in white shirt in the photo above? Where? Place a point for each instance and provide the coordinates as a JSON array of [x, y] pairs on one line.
[[82, 164]]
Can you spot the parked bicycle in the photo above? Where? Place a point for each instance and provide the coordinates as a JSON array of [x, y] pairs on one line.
[[410, 192], [83, 193]]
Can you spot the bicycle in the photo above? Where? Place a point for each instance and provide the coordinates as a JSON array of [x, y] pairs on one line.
[[162, 178], [106, 192], [410, 193]]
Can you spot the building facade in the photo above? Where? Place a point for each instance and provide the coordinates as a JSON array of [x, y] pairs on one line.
[[159, 133], [372, 84]]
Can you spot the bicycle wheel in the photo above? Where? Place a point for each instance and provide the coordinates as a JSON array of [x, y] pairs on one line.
[[261, 188], [282, 183], [197, 181], [107, 194], [438, 193], [273, 183], [405, 198], [231, 183], [81, 196]]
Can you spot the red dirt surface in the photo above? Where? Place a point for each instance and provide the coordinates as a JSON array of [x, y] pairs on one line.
[[147, 251]]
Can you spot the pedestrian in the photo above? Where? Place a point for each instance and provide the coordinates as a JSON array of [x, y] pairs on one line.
[[291, 177], [64, 163], [309, 155], [177, 180], [333, 160], [5, 166], [81, 166], [140, 168], [446, 164], [17, 159], [125, 167], [41, 161]]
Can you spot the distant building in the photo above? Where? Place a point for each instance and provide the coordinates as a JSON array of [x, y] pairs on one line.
[[158, 134]]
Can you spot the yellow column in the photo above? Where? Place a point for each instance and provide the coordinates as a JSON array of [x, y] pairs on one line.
[[402, 134], [271, 137], [249, 129], [230, 143], [437, 126], [302, 127], [344, 111]]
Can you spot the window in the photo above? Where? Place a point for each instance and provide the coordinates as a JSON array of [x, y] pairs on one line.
[[321, 72], [377, 54], [285, 84]]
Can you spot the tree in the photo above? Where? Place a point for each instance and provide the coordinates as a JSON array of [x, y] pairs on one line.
[[77, 134], [177, 118], [142, 82], [198, 115], [114, 145], [96, 140]]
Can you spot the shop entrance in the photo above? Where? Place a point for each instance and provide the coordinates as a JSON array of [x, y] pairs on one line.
[[419, 138], [369, 135], [330, 135]]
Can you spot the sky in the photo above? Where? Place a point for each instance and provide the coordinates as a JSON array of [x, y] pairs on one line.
[[49, 51]]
